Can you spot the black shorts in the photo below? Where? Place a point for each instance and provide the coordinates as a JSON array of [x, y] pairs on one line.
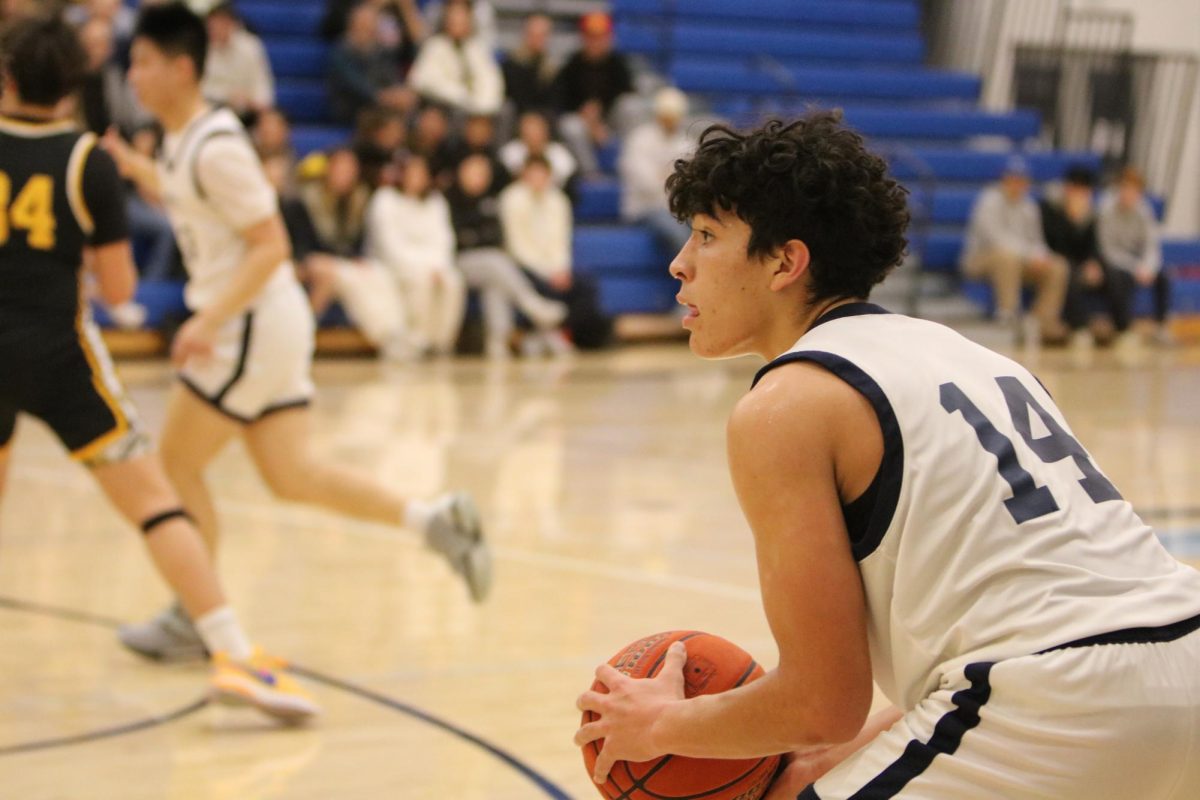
[[62, 375]]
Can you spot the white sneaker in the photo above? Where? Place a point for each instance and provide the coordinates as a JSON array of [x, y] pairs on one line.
[[128, 316], [456, 532], [558, 344]]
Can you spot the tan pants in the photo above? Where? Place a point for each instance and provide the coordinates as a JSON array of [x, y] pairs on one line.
[[1008, 272]]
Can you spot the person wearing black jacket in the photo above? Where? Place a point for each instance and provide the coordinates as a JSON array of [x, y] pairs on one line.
[[1069, 226], [590, 87], [486, 265]]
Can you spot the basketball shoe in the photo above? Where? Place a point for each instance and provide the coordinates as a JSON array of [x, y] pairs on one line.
[[261, 683], [169, 636], [456, 533]]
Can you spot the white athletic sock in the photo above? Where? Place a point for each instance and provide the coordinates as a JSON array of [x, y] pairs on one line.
[[222, 633], [417, 515]]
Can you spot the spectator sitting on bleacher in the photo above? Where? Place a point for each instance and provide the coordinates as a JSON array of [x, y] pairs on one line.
[[1005, 245], [120, 18], [377, 143], [592, 89], [409, 231], [533, 139], [363, 69], [479, 139], [430, 139], [537, 221], [529, 71], [401, 27], [334, 201], [236, 70], [647, 158], [1069, 226], [105, 98], [456, 68], [271, 134], [483, 18], [486, 265], [1129, 242]]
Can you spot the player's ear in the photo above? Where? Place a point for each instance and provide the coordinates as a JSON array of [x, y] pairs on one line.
[[790, 263]]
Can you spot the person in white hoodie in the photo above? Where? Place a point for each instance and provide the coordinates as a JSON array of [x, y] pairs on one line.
[[409, 231], [456, 68]]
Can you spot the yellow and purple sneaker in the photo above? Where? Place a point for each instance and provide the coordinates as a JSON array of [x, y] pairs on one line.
[[261, 682]]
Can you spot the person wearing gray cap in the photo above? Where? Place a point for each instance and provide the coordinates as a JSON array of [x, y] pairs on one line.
[[1005, 245]]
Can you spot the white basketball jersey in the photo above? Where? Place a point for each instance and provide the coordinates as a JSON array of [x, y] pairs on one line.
[[213, 187], [994, 534]]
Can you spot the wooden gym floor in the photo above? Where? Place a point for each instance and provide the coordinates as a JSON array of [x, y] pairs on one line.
[[604, 484]]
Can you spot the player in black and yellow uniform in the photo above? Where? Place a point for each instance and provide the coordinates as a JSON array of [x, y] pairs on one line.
[[62, 206]]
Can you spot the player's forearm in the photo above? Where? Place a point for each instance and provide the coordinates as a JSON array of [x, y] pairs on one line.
[[141, 170], [257, 267], [769, 716]]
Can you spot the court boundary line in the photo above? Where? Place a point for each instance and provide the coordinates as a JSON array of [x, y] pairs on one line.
[[548, 787]]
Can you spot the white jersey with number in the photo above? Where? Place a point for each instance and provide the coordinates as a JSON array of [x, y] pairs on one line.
[[994, 535], [213, 187]]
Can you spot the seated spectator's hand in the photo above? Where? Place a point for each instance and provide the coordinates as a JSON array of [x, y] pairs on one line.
[[1093, 274], [561, 281], [1144, 275]]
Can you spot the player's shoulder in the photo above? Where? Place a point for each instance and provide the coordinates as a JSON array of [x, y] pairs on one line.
[[796, 397]]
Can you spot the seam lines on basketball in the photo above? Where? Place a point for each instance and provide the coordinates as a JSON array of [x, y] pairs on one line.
[[640, 783]]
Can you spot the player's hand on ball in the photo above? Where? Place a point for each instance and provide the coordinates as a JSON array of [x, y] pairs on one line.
[[628, 712], [194, 340]]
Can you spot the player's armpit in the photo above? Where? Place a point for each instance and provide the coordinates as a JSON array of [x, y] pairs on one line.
[[784, 440]]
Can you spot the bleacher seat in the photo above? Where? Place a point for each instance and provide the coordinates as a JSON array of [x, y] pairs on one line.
[[726, 39], [311, 138], [890, 15], [298, 58], [303, 100], [270, 18], [753, 76]]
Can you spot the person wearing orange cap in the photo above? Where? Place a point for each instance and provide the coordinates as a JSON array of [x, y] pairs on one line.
[[590, 88]]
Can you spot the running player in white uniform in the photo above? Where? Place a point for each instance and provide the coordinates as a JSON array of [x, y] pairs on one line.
[[922, 515], [61, 204], [245, 355]]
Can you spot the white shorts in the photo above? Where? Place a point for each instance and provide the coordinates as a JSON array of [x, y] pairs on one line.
[[1112, 721], [262, 361]]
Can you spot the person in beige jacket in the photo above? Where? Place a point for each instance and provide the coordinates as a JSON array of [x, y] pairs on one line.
[[455, 68]]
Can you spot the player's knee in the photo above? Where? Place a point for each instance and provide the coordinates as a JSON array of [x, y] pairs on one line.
[[292, 485]]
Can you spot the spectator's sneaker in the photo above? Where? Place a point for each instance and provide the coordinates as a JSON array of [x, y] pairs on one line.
[[558, 344], [1163, 337], [455, 532], [260, 682], [169, 636], [128, 316], [547, 314]]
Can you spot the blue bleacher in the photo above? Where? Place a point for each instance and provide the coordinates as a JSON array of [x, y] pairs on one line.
[[899, 47], [298, 58], [890, 16], [753, 76]]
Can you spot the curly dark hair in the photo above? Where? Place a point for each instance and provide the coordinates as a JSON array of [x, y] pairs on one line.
[[44, 57], [813, 180]]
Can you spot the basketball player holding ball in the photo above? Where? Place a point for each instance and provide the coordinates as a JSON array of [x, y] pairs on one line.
[[922, 516]]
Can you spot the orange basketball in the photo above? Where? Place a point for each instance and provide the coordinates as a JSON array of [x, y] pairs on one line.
[[713, 665]]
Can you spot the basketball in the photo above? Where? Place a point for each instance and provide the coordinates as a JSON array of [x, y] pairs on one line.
[[713, 665]]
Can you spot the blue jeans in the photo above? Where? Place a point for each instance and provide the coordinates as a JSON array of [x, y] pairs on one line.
[[152, 237]]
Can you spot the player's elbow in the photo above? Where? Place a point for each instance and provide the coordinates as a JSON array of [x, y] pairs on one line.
[[832, 715]]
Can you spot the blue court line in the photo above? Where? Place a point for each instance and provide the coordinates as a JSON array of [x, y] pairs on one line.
[[545, 784]]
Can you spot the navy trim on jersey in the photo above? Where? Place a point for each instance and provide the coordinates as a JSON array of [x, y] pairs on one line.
[[196, 390], [947, 736], [196, 184], [1161, 633], [891, 467], [240, 369], [848, 310], [186, 139]]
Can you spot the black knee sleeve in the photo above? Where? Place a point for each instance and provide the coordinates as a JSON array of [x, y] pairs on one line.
[[149, 525]]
